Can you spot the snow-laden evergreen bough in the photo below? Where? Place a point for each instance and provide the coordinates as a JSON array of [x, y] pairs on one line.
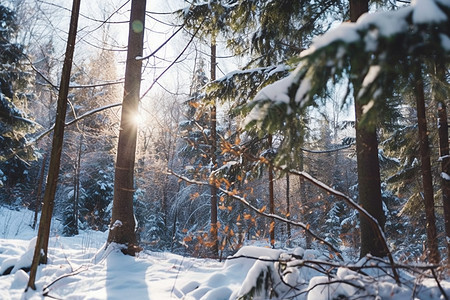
[[387, 44]]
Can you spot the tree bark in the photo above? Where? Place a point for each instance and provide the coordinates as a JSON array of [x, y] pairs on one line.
[[288, 208], [122, 227], [39, 190], [367, 164], [427, 179], [76, 196], [213, 141], [440, 97], [445, 167], [357, 8], [41, 249], [271, 198]]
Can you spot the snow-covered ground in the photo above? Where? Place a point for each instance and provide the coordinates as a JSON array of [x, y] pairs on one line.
[[81, 268]]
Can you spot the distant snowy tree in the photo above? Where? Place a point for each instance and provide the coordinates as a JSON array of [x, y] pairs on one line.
[[14, 123]]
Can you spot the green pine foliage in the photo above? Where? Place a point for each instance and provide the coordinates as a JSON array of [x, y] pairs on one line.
[[386, 59], [14, 124], [97, 197], [272, 31]]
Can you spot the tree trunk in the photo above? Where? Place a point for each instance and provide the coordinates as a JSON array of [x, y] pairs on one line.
[[213, 141], [39, 190], [288, 208], [76, 196], [367, 164], [41, 249], [444, 155], [271, 197], [122, 227], [427, 179], [303, 199], [445, 167], [369, 188], [357, 8]]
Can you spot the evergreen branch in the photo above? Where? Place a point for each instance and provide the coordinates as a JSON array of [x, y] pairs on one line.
[[242, 200]]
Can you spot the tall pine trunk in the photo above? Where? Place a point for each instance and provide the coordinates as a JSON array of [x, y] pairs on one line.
[[213, 141], [41, 248], [76, 188], [122, 227], [445, 167], [271, 196], [40, 184], [440, 97], [369, 185], [288, 209], [427, 179]]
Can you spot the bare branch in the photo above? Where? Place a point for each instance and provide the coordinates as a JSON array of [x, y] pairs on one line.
[[176, 59], [233, 195], [87, 114], [356, 206], [56, 87], [163, 44], [326, 150]]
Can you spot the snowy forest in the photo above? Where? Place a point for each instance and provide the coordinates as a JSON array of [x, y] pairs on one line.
[[224, 149]]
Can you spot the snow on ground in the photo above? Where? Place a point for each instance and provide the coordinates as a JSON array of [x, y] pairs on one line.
[[81, 268]]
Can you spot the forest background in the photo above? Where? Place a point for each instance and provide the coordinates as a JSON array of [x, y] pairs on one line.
[[181, 151]]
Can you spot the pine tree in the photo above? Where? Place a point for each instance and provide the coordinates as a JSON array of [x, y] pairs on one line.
[[122, 226], [425, 163], [14, 123], [441, 90], [357, 54], [369, 182]]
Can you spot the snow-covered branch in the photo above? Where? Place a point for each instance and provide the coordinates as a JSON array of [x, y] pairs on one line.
[[87, 114], [361, 210]]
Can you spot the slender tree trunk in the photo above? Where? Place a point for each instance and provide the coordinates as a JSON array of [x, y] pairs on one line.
[[76, 198], [427, 179], [303, 198], [288, 208], [445, 167], [444, 153], [214, 227], [369, 184], [122, 228], [41, 249], [39, 190], [271, 198]]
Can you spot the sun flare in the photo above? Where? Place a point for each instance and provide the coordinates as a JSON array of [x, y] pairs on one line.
[[138, 119]]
